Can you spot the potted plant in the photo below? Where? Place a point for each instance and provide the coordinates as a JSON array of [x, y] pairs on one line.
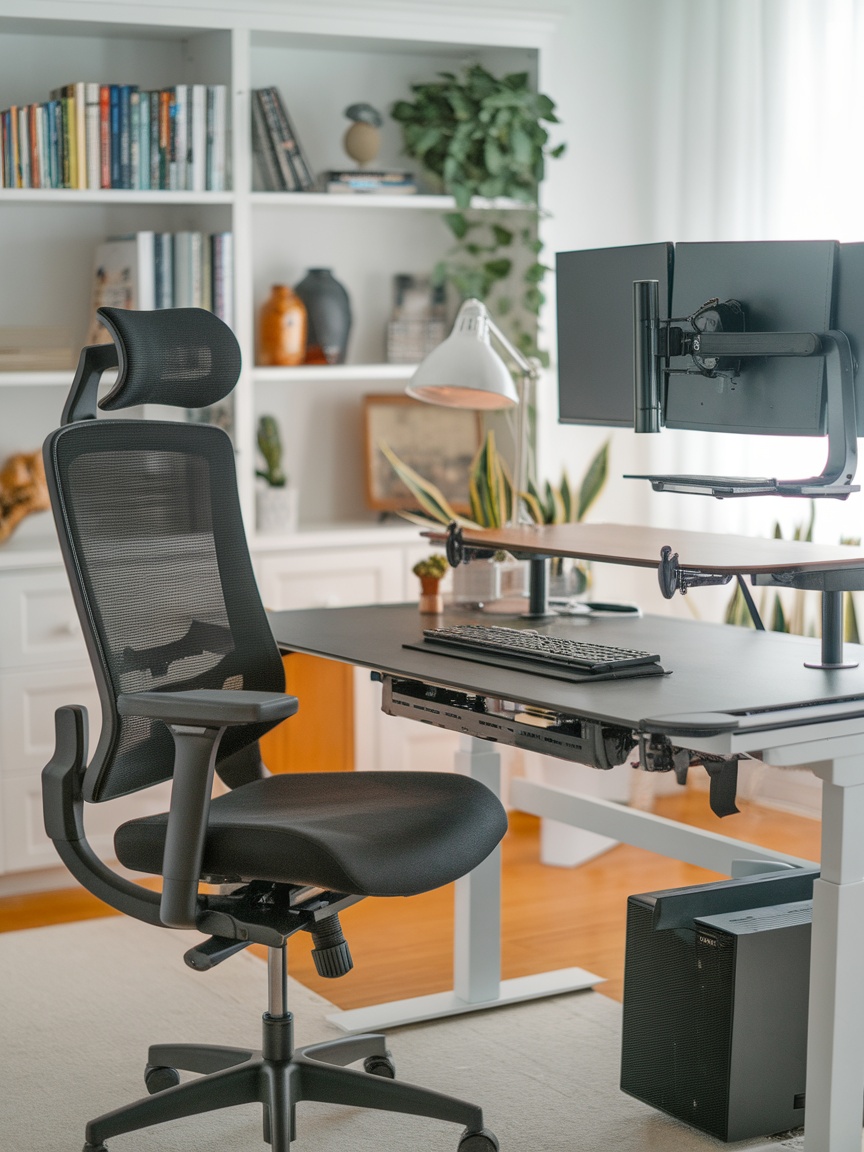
[[275, 499], [431, 571], [482, 135], [491, 501]]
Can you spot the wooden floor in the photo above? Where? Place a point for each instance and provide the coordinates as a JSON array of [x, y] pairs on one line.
[[552, 917]]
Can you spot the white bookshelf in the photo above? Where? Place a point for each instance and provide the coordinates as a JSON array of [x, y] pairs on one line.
[[47, 237]]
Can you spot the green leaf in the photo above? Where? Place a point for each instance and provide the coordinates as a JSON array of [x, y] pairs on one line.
[[850, 620], [503, 236], [428, 495], [498, 269], [593, 481], [557, 151], [457, 223], [778, 617], [535, 273]]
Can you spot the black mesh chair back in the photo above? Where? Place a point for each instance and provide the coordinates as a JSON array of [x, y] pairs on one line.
[[153, 539]]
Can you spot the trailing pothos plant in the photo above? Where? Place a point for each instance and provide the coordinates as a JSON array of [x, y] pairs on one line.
[[484, 136]]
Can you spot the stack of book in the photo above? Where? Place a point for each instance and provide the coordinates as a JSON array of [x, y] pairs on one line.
[[90, 135], [356, 180], [162, 270], [279, 161]]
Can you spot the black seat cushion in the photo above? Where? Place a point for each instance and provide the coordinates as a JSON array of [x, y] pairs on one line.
[[365, 833]]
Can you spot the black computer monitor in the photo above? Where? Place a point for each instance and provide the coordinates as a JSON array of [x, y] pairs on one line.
[[783, 287], [595, 342]]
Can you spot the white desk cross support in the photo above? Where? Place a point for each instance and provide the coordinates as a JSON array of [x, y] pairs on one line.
[[477, 979]]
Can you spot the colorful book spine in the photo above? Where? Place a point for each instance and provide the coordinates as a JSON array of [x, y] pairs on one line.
[[197, 169], [217, 112], [23, 148], [92, 135], [104, 136], [305, 178], [144, 160], [114, 112], [281, 147], [125, 135]]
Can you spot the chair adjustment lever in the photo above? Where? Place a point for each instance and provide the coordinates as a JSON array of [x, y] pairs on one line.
[[211, 952]]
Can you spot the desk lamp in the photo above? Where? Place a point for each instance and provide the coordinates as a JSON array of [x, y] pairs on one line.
[[465, 371]]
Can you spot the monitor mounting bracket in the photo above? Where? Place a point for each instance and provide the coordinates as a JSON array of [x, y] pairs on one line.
[[656, 340]]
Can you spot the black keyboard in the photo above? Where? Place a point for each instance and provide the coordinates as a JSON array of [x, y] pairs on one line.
[[525, 644]]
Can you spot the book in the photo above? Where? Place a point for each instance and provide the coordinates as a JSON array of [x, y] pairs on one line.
[[217, 111], [163, 269], [288, 181], [123, 277], [197, 151], [125, 135], [289, 140], [104, 136], [388, 183], [180, 137], [92, 135], [32, 349], [188, 270], [114, 112], [266, 174], [144, 156], [164, 138], [134, 139], [222, 248]]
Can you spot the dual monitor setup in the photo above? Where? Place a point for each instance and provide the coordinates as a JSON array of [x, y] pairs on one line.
[[755, 337]]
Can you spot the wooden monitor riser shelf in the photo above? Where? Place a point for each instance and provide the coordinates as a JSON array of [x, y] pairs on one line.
[[684, 560], [640, 547]]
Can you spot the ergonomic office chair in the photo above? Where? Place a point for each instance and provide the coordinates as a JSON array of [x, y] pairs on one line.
[[189, 677]]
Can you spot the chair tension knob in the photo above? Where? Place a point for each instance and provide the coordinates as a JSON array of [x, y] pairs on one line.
[[331, 953]]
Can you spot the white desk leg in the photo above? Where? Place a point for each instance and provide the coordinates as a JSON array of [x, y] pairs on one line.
[[477, 979], [477, 926], [835, 1043]]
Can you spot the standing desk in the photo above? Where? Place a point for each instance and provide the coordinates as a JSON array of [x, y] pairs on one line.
[[730, 692]]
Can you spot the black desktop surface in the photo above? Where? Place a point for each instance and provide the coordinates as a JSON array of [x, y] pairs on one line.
[[713, 667]]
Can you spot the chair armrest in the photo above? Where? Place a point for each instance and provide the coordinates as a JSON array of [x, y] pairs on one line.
[[197, 720], [210, 707]]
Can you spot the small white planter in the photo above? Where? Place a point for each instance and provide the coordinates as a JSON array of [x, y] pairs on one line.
[[276, 510]]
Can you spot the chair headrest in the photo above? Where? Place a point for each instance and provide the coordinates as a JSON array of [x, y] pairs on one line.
[[184, 357]]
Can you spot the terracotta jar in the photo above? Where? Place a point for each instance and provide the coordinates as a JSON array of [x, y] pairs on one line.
[[282, 329], [431, 600]]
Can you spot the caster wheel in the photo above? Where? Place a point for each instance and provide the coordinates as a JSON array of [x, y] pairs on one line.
[[482, 1141], [95, 1148], [158, 1079], [380, 1066]]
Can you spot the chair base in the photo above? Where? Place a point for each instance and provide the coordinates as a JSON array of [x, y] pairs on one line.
[[278, 1077]]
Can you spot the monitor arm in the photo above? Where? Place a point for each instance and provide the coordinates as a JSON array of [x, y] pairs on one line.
[[656, 340]]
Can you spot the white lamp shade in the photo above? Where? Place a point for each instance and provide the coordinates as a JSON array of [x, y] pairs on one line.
[[465, 371]]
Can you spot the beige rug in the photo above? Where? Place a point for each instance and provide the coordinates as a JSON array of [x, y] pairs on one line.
[[80, 1003]]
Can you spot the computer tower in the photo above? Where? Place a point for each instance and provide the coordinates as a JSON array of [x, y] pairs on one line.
[[715, 1004]]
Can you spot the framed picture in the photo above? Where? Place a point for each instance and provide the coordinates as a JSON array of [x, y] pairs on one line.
[[439, 443]]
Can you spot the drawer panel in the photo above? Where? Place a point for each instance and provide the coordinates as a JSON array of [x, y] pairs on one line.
[[332, 579], [25, 844], [38, 621], [28, 701]]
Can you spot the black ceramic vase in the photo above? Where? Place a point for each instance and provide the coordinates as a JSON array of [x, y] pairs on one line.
[[329, 316]]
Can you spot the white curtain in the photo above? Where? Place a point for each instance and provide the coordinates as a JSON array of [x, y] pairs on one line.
[[758, 134]]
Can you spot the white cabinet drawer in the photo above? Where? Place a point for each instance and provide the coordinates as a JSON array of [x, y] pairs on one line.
[[28, 701], [38, 621], [332, 578], [25, 844]]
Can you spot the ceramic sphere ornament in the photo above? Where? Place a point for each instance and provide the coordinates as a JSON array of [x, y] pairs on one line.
[[362, 141]]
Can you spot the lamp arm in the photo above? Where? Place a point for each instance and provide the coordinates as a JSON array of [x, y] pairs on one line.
[[528, 373]]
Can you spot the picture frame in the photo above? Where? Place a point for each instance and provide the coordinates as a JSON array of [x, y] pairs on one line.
[[437, 442]]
